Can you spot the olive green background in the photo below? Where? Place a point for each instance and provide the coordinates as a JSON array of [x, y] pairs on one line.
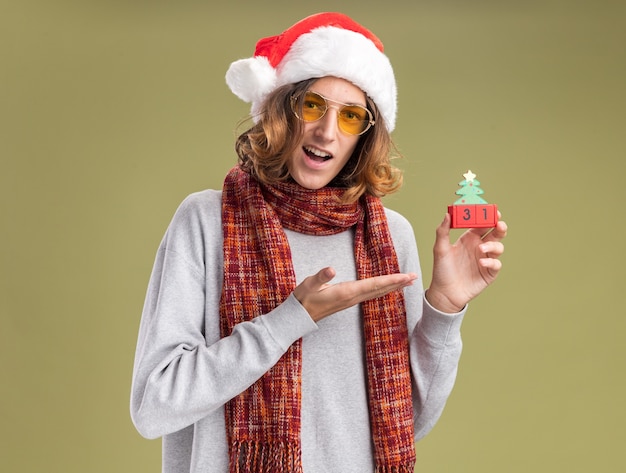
[[113, 111]]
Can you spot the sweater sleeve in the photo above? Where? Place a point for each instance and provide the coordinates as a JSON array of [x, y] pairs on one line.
[[435, 345], [183, 370], [434, 337]]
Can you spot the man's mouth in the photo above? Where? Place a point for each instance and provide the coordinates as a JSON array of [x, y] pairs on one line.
[[316, 154]]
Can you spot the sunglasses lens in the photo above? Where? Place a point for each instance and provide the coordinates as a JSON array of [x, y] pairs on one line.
[[352, 119], [313, 107]]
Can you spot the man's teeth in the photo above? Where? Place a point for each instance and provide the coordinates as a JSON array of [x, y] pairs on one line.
[[317, 152]]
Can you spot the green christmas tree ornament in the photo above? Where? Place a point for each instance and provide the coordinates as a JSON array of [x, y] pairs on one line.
[[470, 190], [470, 210]]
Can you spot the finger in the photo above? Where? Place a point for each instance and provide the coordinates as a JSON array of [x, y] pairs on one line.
[[496, 233], [380, 285], [316, 281], [481, 233], [500, 231], [322, 279], [442, 234], [492, 248], [493, 265], [325, 275]]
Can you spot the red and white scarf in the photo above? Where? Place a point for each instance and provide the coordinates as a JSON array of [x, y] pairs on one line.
[[263, 423]]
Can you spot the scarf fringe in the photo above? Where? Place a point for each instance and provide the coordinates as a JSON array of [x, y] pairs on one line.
[[395, 469], [265, 457]]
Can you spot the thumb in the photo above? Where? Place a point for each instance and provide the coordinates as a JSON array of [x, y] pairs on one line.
[[442, 235], [325, 275], [314, 283]]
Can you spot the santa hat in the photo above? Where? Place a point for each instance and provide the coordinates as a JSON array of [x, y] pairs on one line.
[[325, 44]]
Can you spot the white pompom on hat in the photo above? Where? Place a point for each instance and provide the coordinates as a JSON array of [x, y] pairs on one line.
[[325, 44]]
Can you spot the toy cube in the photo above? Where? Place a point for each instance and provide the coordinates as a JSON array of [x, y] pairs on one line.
[[473, 215]]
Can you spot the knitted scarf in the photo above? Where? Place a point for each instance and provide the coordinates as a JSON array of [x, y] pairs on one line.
[[263, 422]]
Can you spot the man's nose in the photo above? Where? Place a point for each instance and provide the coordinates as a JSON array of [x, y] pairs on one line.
[[328, 125]]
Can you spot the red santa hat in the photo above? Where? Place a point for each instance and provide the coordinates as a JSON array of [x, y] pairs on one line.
[[325, 44]]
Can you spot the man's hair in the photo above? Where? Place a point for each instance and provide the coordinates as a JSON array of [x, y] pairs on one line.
[[265, 149]]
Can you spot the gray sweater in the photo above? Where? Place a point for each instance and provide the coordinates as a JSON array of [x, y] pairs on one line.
[[184, 373]]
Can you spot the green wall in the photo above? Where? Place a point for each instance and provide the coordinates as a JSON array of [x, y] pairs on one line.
[[111, 112]]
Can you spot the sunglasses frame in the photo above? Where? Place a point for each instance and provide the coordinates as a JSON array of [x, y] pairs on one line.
[[294, 99]]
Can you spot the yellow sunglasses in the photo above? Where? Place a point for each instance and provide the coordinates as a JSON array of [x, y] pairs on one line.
[[352, 119]]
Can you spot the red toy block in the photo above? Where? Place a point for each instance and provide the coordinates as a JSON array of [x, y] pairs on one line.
[[473, 216]]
